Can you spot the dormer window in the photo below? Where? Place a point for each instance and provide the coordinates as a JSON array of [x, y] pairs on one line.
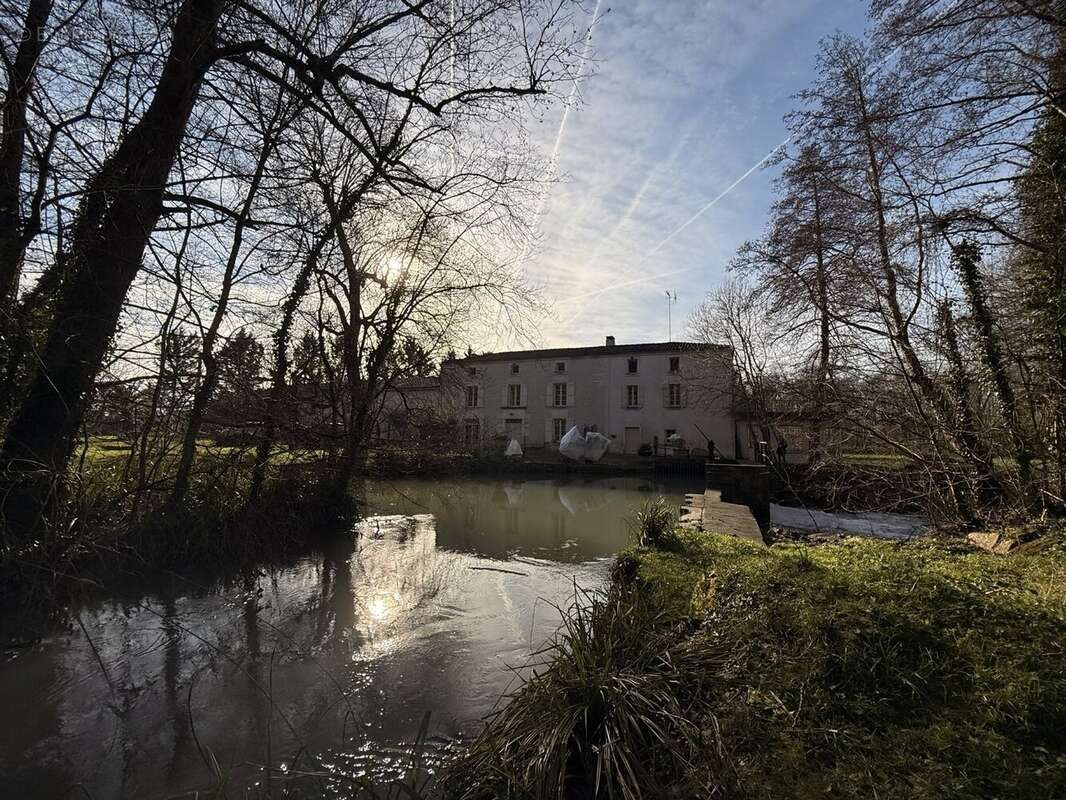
[[514, 369], [632, 366]]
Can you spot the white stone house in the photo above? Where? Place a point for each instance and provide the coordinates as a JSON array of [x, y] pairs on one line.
[[635, 394]]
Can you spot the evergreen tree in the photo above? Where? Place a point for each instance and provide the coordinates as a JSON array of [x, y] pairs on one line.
[[181, 364], [414, 360], [306, 361], [240, 362], [1041, 266]]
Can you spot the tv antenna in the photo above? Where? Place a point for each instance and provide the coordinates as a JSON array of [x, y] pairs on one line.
[[671, 301]]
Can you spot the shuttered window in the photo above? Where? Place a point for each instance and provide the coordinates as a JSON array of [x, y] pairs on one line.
[[559, 395], [632, 396], [674, 395]]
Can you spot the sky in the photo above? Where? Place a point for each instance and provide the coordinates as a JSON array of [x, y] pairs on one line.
[[679, 100]]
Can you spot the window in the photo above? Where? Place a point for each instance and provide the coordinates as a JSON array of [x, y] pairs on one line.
[[472, 371], [632, 396], [514, 369], [673, 396], [675, 364], [632, 366], [471, 432], [559, 395], [558, 428], [514, 394], [560, 366], [471, 397]]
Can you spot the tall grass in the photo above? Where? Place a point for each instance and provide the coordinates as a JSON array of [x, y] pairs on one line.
[[602, 717], [655, 523]]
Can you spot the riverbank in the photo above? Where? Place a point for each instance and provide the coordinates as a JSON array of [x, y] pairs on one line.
[[113, 523], [854, 669]]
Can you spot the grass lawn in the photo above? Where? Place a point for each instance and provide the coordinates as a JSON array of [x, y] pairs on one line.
[[105, 449], [862, 669]]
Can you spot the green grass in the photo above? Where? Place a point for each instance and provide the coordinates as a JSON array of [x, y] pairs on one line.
[[106, 450], [855, 670], [880, 460]]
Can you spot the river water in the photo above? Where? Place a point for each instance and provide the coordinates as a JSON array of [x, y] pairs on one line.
[[331, 664]]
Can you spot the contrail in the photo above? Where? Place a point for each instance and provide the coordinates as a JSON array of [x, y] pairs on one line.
[[554, 160], [573, 89], [708, 206], [638, 198]]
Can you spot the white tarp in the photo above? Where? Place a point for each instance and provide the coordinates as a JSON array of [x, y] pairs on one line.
[[596, 445], [578, 447], [513, 449]]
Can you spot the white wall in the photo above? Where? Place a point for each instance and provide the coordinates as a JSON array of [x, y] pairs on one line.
[[596, 396]]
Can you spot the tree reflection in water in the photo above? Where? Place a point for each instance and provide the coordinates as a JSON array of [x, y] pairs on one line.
[[334, 658]]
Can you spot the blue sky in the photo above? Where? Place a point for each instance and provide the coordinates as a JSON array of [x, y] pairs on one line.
[[683, 98]]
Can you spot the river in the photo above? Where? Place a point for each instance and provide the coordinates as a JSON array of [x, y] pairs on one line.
[[330, 664]]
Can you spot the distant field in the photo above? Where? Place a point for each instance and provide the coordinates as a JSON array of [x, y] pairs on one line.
[[103, 450]]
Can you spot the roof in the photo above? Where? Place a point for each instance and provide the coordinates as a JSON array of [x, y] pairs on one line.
[[599, 350], [410, 384]]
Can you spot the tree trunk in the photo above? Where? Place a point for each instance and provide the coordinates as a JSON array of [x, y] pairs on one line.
[[822, 287], [20, 77], [278, 374], [965, 258], [121, 207], [964, 420], [279, 370], [355, 390]]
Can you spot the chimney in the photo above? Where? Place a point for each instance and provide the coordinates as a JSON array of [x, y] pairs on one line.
[[610, 341]]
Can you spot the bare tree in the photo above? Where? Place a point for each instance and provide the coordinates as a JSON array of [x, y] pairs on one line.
[[396, 80], [20, 77]]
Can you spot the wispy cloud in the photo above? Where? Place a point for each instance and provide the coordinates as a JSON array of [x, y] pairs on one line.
[[662, 160]]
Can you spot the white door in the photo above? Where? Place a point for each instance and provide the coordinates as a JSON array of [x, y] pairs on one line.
[[632, 440], [513, 429]]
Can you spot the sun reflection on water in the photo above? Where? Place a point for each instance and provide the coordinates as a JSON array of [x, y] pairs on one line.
[[396, 572]]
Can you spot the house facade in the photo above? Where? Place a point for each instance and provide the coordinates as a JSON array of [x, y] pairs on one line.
[[635, 394]]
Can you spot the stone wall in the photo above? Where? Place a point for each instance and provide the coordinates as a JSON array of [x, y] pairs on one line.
[[747, 484]]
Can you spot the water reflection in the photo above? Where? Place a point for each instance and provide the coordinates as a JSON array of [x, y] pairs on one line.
[[568, 521], [332, 661]]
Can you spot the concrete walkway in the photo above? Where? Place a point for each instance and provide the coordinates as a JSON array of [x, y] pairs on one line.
[[707, 512]]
